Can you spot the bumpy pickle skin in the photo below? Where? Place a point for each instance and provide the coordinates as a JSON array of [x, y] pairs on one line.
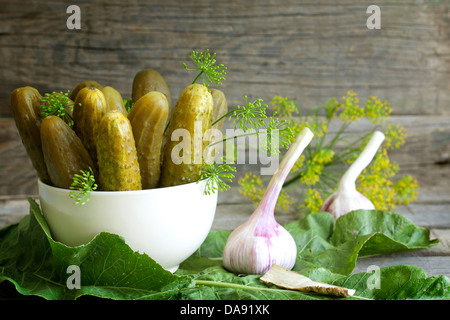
[[148, 80], [117, 156], [181, 165], [114, 100], [25, 105], [148, 119], [84, 84], [89, 109], [64, 153]]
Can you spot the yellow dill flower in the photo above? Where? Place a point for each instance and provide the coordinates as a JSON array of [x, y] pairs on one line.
[[313, 201], [377, 111], [297, 127], [312, 173], [315, 166], [351, 110], [374, 182], [331, 108], [406, 189], [382, 166], [323, 156], [284, 107], [318, 128], [252, 187], [395, 136], [381, 194], [299, 163], [284, 200]]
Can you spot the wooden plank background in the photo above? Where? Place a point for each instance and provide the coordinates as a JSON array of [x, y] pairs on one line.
[[305, 50]]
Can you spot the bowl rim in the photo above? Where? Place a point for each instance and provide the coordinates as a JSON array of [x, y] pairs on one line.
[[124, 192]]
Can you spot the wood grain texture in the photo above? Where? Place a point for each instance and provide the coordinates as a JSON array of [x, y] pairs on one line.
[[308, 50], [425, 155]]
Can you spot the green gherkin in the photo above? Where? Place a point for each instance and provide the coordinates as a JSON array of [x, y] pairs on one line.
[[116, 151], [26, 108], [148, 119], [84, 84], [114, 100], [148, 80], [64, 153], [183, 160], [90, 107]]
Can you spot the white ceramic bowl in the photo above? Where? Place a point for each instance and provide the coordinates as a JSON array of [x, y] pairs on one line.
[[167, 224]]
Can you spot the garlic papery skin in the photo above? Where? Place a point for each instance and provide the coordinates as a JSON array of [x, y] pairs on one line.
[[254, 246], [347, 198]]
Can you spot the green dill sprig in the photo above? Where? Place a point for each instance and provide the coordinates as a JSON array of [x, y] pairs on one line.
[[250, 116], [252, 120], [207, 69], [128, 103], [83, 184], [279, 132], [58, 104], [247, 117], [217, 174]]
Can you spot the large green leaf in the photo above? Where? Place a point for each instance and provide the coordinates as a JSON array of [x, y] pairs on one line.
[[37, 265], [396, 282], [336, 245]]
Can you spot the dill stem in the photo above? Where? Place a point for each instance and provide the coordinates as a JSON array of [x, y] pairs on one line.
[[198, 76]]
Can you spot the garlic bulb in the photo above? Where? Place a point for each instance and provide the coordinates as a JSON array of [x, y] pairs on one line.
[[347, 198], [254, 246]]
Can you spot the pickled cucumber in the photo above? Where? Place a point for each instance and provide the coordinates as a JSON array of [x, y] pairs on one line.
[[117, 157], [63, 151], [114, 100], [89, 109], [148, 120], [148, 80], [220, 108], [84, 84], [25, 105], [182, 161]]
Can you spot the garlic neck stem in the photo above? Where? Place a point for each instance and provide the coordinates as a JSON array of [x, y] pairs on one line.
[[348, 180], [270, 197]]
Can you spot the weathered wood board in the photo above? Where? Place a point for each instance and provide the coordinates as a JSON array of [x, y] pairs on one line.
[[427, 147], [306, 50]]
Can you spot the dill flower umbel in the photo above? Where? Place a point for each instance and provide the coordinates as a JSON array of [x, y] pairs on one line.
[[395, 136], [377, 111], [284, 107], [317, 172], [406, 189], [315, 166], [313, 200], [350, 108], [251, 186]]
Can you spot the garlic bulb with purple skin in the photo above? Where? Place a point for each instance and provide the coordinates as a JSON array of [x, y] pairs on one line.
[[347, 198], [254, 246]]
